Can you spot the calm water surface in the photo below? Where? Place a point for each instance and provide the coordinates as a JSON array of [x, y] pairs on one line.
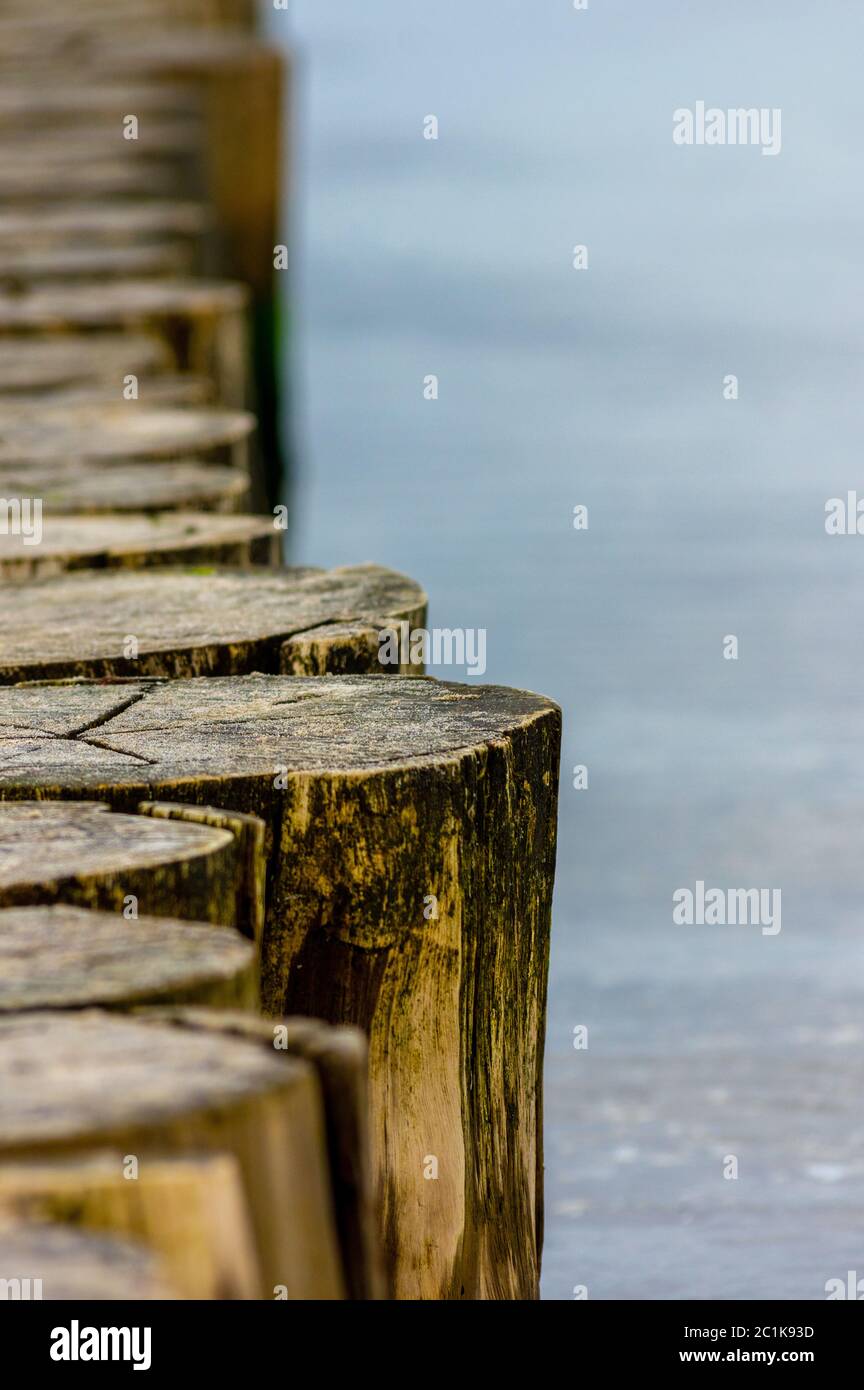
[[604, 387]]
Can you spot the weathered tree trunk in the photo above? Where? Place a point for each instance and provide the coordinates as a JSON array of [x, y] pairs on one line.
[[61, 229], [83, 854], [203, 323], [56, 1263], [65, 957], [68, 100], [191, 1212], [55, 362], [57, 179], [167, 389], [124, 432], [411, 852], [102, 486], [250, 857], [73, 1082], [341, 1058], [188, 624], [134, 540], [54, 162], [28, 265]]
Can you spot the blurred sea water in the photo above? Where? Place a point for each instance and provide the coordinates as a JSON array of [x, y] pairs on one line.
[[604, 387]]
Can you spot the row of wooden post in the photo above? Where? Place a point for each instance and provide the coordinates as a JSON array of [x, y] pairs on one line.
[[274, 917]]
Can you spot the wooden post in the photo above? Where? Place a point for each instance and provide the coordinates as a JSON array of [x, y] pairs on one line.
[[411, 834], [74, 1082], [82, 854], [241, 83], [138, 540], [58, 180], [46, 363], [27, 265], [65, 1264], [166, 389], [124, 432], [63, 229], [104, 486], [65, 957], [190, 1211], [203, 323], [341, 1059], [189, 624], [59, 102]]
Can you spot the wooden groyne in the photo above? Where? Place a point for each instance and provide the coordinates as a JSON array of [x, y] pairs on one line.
[[274, 916]]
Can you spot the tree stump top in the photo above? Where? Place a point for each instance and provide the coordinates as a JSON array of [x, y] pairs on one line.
[[96, 178], [66, 957], [119, 301], [23, 264], [138, 539], [31, 364], [166, 389], [104, 486], [75, 1264], [123, 431], [220, 728], [77, 624], [44, 843], [159, 135], [103, 221], [179, 45], [87, 1076], [23, 101]]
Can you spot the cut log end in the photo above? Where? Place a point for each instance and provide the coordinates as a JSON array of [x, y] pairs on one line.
[[76, 1082], [65, 957], [135, 540], [167, 622], [56, 1263]]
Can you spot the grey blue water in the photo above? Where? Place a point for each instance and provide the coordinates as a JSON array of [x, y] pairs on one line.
[[604, 387]]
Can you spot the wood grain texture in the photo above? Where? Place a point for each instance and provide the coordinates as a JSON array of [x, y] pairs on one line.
[[104, 223], [136, 540], [105, 486], [27, 264], [250, 862], [164, 389], [74, 1082], [174, 136], [380, 794], [78, 1265], [57, 179], [192, 624], [48, 363], [340, 1056], [69, 100], [190, 1211], [126, 430], [83, 854], [203, 322], [65, 957]]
